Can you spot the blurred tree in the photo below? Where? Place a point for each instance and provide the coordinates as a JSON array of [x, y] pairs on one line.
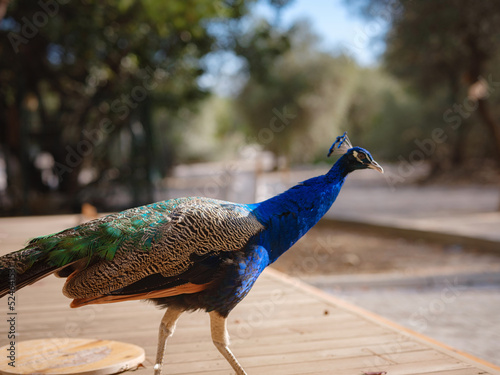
[[450, 47], [263, 48], [294, 92], [210, 132], [298, 97], [381, 114], [78, 83]]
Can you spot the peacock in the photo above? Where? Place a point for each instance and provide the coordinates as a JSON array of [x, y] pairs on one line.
[[182, 254]]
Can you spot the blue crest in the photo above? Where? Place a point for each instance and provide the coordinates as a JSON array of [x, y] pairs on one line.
[[341, 145]]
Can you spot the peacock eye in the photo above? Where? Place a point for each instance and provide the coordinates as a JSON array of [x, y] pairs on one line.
[[361, 156]]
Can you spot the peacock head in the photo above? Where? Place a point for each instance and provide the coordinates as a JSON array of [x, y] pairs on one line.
[[354, 157]]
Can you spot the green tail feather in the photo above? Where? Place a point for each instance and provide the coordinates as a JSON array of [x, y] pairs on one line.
[[130, 230]]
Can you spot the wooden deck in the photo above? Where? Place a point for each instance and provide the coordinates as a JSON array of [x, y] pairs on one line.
[[282, 327]]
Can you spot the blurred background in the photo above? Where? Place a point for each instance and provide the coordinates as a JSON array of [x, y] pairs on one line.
[[99, 101], [119, 104]]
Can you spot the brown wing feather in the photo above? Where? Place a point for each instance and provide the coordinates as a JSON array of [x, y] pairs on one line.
[[195, 229]]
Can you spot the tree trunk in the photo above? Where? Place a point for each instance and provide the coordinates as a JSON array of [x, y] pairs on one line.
[[477, 62], [457, 157], [492, 125]]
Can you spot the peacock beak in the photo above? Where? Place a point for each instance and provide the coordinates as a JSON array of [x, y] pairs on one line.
[[374, 165]]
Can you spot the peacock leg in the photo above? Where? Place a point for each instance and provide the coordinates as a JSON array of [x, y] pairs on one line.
[[167, 327], [220, 338]]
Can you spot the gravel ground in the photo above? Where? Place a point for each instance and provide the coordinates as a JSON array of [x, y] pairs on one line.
[[451, 310]]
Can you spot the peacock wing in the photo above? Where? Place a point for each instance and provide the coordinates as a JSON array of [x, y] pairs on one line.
[[194, 230]]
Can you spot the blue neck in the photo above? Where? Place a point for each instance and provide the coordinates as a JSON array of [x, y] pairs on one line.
[[288, 216]]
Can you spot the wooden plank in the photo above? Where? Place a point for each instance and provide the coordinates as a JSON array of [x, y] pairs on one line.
[[481, 365]]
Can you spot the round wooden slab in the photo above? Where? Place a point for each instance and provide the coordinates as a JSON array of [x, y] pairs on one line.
[[70, 356]]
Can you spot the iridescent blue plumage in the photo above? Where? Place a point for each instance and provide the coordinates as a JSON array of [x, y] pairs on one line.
[[183, 254], [291, 214]]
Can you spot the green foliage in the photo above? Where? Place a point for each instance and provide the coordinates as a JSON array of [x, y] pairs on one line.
[[274, 100], [212, 132]]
